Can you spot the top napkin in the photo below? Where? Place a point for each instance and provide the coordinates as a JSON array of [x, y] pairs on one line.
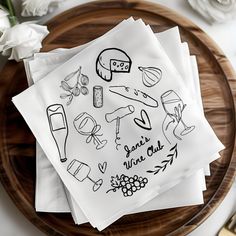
[[118, 124]]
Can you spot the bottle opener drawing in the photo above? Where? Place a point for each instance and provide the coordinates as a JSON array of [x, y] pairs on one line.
[[116, 116]]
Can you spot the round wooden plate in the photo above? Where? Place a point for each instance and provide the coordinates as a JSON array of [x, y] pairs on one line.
[[78, 26]]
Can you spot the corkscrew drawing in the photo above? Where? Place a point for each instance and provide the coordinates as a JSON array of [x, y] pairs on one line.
[[116, 116]]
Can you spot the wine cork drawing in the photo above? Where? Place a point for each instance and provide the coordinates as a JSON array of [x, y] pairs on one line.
[[173, 124], [86, 125], [98, 96], [116, 116], [128, 185], [59, 128], [102, 167], [144, 122], [74, 84], [81, 172], [134, 94], [150, 75], [112, 60]]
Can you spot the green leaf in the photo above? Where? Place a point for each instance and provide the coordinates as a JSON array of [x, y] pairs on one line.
[[64, 95], [115, 181], [164, 167], [165, 161], [79, 73], [11, 10], [65, 86], [158, 166], [70, 76], [157, 171], [173, 147], [176, 153]]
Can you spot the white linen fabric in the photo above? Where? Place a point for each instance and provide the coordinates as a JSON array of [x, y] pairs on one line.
[[165, 153], [184, 194]]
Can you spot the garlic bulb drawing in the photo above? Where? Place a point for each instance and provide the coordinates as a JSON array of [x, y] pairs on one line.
[[150, 75]]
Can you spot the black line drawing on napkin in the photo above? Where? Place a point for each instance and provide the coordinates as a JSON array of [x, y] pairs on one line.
[[144, 122], [150, 75], [174, 107], [58, 127], [80, 86], [134, 94], [102, 167], [81, 171], [116, 116], [171, 156], [112, 60], [98, 96], [128, 185], [86, 125]]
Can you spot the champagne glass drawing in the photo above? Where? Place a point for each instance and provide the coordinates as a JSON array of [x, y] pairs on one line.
[[59, 128], [174, 107], [86, 125], [81, 172]]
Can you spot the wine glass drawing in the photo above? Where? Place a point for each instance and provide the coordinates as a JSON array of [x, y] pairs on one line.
[[81, 171], [174, 107], [86, 125], [59, 128]]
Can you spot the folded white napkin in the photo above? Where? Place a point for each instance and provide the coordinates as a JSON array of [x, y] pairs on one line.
[[130, 79], [184, 194]]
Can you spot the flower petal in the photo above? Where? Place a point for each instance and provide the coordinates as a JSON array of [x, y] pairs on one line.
[[22, 40]]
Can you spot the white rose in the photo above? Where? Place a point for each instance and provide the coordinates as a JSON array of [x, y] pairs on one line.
[[22, 40], [38, 7], [215, 10], [4, 21]]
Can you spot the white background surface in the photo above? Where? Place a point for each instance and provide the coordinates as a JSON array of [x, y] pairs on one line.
[[13, 223]]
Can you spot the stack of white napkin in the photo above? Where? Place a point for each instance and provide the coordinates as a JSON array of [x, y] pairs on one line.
[[119, 125]]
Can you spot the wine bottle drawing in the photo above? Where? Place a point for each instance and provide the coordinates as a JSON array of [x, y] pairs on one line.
[[81, 171], [59, 128]]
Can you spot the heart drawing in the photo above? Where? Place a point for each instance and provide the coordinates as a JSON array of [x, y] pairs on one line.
[[144, 122], [102, 167]]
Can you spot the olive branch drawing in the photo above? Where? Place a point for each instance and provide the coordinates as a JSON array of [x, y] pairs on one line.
[[74, 91], [173, 155]]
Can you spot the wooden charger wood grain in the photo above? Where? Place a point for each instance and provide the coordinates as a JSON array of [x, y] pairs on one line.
[[83, 24]]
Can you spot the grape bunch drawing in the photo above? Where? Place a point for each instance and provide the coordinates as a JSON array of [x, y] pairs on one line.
[[128, 185], [80, 82]]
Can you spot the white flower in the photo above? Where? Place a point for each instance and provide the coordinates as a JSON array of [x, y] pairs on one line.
[[4, 21], [38, 7], [215, 10], [22, 40]]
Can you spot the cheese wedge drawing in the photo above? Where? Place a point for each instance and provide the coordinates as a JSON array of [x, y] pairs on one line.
[[112, 60]]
